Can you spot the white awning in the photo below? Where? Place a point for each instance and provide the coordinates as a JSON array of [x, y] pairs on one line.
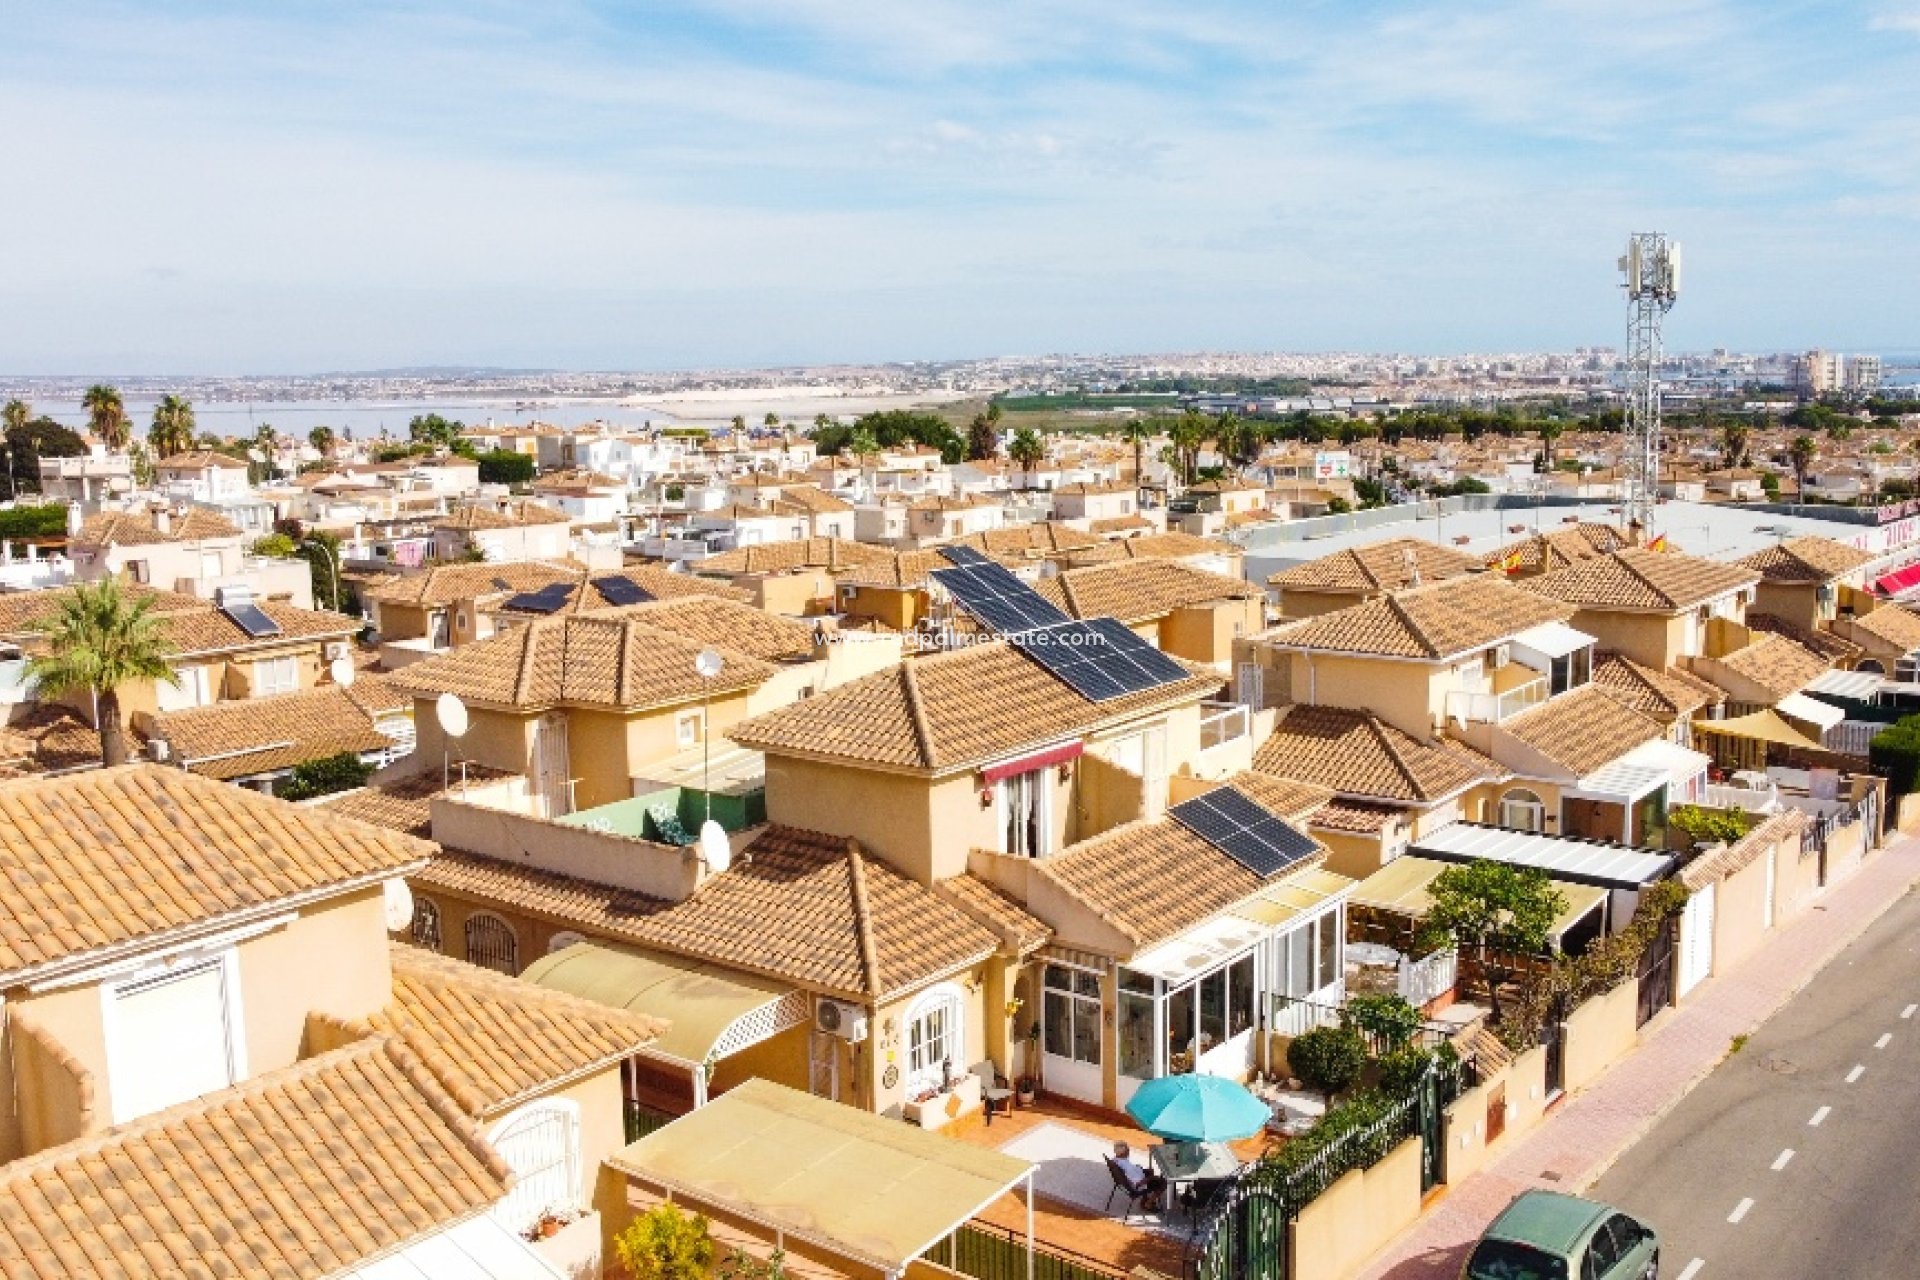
[[1645, 768], [1854, 686], [1561, 857], [1798, 706], [1213, 942], [1553, 639]]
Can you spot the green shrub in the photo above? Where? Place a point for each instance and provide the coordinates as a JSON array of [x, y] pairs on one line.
[[1328, 1059], [325, 776], [1712, 824], [504, 466], [277, 546], [1388, 1019], [1895, 753], [665, 1244]]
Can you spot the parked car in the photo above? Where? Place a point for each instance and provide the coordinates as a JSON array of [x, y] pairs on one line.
[[1544, 1235]]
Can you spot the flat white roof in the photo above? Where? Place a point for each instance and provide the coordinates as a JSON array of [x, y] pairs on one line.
[[1812, 710], [1855, 686], [1649, 765], [1581, 861], [1554, 639]]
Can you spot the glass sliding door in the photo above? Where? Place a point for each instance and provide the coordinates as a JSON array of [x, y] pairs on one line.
[[1139, 1034], [1070, 1032]]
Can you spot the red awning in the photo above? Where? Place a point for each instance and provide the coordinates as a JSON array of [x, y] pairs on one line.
[[1892, 584], [1027, 764]]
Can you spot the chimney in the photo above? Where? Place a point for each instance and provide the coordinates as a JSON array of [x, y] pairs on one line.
[[163, 520]]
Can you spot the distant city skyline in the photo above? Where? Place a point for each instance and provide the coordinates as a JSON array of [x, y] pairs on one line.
[[203, 188]]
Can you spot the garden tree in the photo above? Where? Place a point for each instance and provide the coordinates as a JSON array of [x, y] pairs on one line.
[[276, 546], [325, 777], [1137, 432], [1734, 436], [173, 427], [505, 466], [982, 440], [993, 412], [771, 422], [861, 443], [15, 414], [38, 438], [1027, 450], [33, 520], [99, 640], [1550, 433], [1770, 485], [140, 462], [266, 443], [1189, 433], [432, 429], [739, 425], [1390, 1020], [1495, 912], [107, 415], [665, 1244], [321, 438], [322, 550], [1328, 1059]]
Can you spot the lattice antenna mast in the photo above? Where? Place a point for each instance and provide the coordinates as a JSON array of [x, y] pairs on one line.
[[1650, 269]]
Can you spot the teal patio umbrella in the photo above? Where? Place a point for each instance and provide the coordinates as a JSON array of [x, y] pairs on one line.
[[1197, 1108]]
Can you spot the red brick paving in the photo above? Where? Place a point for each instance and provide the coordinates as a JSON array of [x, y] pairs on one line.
[[1589, 1132]]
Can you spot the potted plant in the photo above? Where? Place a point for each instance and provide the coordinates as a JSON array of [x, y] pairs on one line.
[[1025, 1087]]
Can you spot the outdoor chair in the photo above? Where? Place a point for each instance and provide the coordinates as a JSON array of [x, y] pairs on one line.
[[1137, 1193], [993, 1090]]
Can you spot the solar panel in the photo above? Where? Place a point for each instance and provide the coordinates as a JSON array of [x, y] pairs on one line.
[[1099, 659], [1244, 831], [251, 619], [622, 591], [547, 599], [997, 598], [963, 555]]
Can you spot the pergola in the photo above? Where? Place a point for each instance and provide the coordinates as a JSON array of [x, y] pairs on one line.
[[853, 1185]]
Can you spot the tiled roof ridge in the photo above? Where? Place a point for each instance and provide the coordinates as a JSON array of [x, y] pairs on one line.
[[523, 678], [1069, 594], [1393, 599], [1378, 729], [863, 919], [917, 713]]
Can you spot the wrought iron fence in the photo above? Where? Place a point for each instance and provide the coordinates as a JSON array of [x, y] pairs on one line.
[[986, 1251]]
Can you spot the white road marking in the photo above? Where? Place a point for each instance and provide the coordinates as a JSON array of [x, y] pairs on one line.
[[1780, 1161], [1740, 1210], [1820, 1115], [1856, 1073], [1693, 1269], [1908, 1011], [1883, 1041]]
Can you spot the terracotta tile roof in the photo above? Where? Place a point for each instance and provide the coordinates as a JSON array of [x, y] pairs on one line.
[[1897, 626], [950, 710], [660, 583], [493, 1041], [1583, 729], [1840, 652], [142, 528], [305, 1172], [1288, 798], [793, 553], [1435, 621], [710, 619], [91, 860], [1664, 695], [1379, 566], [600, 659], [207, 630], [60, 739], [515, 515], [803, 907], [1553, 549], [1355, 817], [1806, 559], [1119, 524], [1020, 930], [258, 735], [1153, 878], [1355, 753], [578, 480], [1639, 579], [1173, 545], [199, 460], [405, 804], [814, 500], [444, 584], [1137, 589], [1045, 537], [905, 570], [1774, 663]]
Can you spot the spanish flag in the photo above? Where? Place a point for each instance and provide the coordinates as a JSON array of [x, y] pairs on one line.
[[1511, 562], [1658, 544]]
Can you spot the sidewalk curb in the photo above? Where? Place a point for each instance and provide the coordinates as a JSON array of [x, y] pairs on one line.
[[1801, 983]]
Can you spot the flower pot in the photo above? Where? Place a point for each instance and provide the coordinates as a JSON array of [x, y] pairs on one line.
[[549, 1227]]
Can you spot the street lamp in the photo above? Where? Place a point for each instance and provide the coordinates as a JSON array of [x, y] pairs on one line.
[[333, 564]]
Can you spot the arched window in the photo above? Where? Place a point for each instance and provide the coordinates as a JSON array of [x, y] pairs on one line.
[[564, 939], [1521, 810], [1871, 665], [491, 944], [936, 1040], [425, 929], [541, 1144]]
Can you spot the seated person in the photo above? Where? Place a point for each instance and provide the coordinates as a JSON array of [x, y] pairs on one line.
[[1155, 1185]]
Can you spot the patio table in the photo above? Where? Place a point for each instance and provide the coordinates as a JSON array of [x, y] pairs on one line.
[[1186, 1162]]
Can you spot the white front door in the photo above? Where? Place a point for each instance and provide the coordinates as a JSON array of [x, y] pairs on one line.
[[1696, 931], [552, 766], [1070, 1033]]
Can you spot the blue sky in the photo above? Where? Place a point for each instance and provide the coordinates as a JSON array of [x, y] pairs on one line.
[[234, 187]]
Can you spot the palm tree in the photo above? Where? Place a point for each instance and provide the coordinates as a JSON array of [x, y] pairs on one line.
[[1550, 433], [15, 415], [772, 421], [99, 640], [1026, 449], [172, 430], [321, 438], [1733, 442], [1189, 433], [266, 442], [107, 416], [1136, 433], [1801, 454]]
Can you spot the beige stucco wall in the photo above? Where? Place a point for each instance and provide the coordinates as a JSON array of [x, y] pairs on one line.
[[1796, 602], [1600, 1033], [781, 1059], [887, 1044], [1411, 696], [1357, 1215], [1350, 854], [1205, 633], [892, 815], [501, 739], [1739, 913], [1651, 639], [1295, 603]]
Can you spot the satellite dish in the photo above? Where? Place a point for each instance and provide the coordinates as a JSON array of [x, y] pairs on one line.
[[256, 455], [714, 849], [709, 663], [452, 715], [399, 905], [342, 671]]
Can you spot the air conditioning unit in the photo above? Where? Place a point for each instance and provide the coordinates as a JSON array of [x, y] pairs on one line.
[[1499, 656], [336, 650], [837, 1018]]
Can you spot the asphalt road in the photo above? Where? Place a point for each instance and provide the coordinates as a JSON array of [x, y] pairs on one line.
[[1799, 1157]]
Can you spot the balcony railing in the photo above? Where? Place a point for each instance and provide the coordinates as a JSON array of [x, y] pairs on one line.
[[1493, 708], [1222, 722], [1748, 799]]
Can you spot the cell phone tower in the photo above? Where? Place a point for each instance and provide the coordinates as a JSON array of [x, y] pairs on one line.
[[1651, 271]]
